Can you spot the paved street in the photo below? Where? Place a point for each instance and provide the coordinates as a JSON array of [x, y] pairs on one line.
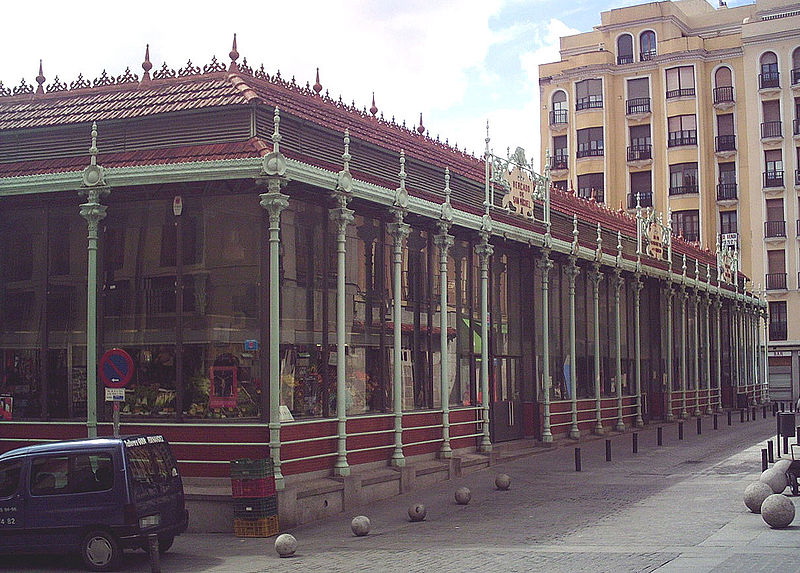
[[676, 508]]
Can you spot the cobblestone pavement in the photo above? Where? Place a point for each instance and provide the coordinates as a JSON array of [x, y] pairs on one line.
[[675, 508]]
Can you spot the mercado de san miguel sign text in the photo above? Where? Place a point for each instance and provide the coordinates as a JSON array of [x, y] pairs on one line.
[[651, 231], [519, 198]]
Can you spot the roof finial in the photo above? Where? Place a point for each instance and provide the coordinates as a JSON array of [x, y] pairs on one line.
[[234, 54], [40, 79], [317, 86], [420, 128], [373, 110], [146, 65]]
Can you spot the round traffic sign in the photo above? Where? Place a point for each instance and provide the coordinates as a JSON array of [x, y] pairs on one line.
[[116, 368]]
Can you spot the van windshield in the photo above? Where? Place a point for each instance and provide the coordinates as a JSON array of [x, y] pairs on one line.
[[152, 466]]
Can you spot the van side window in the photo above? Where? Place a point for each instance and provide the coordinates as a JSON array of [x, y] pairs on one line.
[[74, 473], [9, 477]]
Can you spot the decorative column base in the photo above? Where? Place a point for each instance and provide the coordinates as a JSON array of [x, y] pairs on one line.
[[708, 410], [485, 447], [547, 438], [398, 460], [598, 429], [574, 433], [341, 469], [639, 423], [620, 427], [445, 453]]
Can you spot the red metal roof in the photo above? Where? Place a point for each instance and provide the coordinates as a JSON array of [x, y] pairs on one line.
[[236, 150]]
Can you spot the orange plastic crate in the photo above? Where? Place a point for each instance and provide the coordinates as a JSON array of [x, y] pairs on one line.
[[264, 527]]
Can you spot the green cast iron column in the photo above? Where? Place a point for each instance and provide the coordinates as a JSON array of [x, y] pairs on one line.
[[620, 427], [707, 347], [484, 250], [275, 202], [572, 273], [696, 340], [596, 277], [545, 264], [682, 297], [718, 341], [637, 340], [670, 294], [399, 231]]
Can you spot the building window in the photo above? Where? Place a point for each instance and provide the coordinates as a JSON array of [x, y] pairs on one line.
[[725, 139], [682, 178], [560, 153], [625, 49], [796, 122], [776, 270], [641, 190], [686, 224], [723, 85], [647, 45], [775, 225], [590, 186], [728, 222], [796, 66], [558, 115], [560, 185], [589, 94], [682, 130], [726, 188], [590, 142], [769, 76], [773, 162], [680, 81], [638, 96], [641, 145], [777, 320], [771, 126]]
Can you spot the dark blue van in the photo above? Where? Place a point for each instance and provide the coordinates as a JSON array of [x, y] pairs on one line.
[[96, 497]]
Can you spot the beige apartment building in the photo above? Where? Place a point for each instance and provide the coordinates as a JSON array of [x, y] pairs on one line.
[[695, 111]]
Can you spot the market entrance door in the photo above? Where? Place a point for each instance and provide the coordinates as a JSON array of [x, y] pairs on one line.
[[506, 414]]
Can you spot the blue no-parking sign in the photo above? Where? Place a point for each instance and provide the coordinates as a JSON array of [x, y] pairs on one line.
[[116, 368]]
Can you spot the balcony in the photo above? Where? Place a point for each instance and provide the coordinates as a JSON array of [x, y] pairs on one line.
[[684, 92], [796, 127], [776, 281], [774, 229], [689, 236], [559, 162], [771, 129], [683, 189], [797, 177], [797, 232], [624, 59], [590, 152], [647, 55], [723, 94], [795, 76], [592, 102], [593, 194], [769, 80], [777, 330], [685, 137], [640, 152], [637, 105], [645, 199], [773, 178], [558, 117], [726, 192], [725, 143]]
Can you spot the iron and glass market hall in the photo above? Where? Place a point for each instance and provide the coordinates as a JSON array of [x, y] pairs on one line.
[[298, 278]]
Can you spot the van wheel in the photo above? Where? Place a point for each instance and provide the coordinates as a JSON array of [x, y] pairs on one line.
[[100, 551], [164, 543]]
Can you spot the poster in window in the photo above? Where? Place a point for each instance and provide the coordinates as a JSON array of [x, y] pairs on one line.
[[6, 407], [224, 389]]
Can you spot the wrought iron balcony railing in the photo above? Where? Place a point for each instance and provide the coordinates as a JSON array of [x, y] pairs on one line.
[[645, 199], [776, 281], [637, 105], [558, 116], [769, 80], [685, 137], [640, 152], [725, 143], [726, 191], [773, 178], [771, 129], [774, 229], [723, 94], [683, 92]]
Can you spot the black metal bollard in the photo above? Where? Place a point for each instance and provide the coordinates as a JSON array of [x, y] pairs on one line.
[[729, 417], [636, 442], [155, 561], [577, 459], [770, 452], [716, 425], [764, 412], [747, 414], [680, 430], [786, 444], [608, 450], [660, 435], [783, 406], [741, 415], [763, 459], [699, 426]]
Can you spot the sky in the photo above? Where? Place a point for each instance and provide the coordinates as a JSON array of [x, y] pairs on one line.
[[460, 63]]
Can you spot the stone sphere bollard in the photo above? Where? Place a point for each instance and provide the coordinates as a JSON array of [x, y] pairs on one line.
[[502, 481], [417, 512], [463, 495], [755, 494], [774, 479], [777, 511], [782, 465], [360, 525], [286, 545]]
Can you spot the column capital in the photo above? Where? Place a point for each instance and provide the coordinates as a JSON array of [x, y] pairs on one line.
[[572, 269], [444, 241], [596, 275], [484, 249], [342, 216], [638, 283], [399, 230], [545, 263], [93, 212], [274, 202]]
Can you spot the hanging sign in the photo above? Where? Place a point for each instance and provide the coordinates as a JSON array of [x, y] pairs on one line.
[[519, 195], [177, 205], [654, 236]]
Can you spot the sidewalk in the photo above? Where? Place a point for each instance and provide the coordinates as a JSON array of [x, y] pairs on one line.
[[675, 508]]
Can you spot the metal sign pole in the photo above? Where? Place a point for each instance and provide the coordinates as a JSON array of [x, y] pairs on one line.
[[116, 419]]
